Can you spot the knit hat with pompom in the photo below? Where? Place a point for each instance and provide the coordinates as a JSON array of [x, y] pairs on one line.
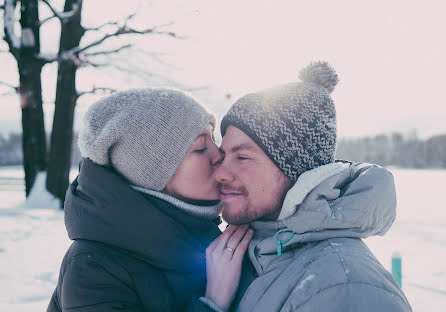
[[295, 123]]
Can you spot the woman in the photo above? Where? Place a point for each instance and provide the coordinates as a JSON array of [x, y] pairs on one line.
[[144, 208]]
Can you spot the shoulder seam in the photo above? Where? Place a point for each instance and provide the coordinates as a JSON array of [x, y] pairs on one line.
[[340, 260]]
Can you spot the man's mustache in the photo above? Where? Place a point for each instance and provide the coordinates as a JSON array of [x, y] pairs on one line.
[[225, 187]]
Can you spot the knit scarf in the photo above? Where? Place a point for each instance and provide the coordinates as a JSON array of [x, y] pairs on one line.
[[205, 212]]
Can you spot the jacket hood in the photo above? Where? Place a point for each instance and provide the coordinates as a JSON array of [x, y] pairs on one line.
[[101, 206], [335, 200]]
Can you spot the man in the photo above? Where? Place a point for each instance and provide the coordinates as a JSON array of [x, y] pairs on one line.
[[308, 212]]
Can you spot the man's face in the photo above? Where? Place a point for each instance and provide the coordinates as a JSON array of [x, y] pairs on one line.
[[251, 186]]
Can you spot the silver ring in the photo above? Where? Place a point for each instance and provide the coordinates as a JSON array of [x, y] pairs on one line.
[[229, 248]]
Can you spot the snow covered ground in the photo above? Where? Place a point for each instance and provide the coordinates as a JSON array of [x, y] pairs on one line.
[[33, 241], [419, 235]]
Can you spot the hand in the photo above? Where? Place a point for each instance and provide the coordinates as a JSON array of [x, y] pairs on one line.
[[224, 258]]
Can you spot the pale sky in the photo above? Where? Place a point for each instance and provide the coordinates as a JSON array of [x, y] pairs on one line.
[[389, 55]]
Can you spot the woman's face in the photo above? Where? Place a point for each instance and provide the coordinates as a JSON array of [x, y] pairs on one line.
[[193, 180]]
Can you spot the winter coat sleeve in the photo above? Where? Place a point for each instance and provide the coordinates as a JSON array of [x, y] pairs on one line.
[[355, 297], [91, 285]]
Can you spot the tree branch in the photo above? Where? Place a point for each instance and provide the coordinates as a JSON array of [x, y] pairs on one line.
[[46, 59], [15, 88], [196, 89], [47, 19], [101, 26], [95, 64], [128, 18], [9, 23], [57, 14], [95, 90], [143, 74], [109, 51], [124, 30], [115, 23], [156, 56], [64, 17], [7, 93]]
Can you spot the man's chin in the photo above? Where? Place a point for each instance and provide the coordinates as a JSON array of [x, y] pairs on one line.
[[233, 217]]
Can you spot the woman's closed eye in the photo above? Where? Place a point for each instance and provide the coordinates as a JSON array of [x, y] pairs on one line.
[[201, 150]]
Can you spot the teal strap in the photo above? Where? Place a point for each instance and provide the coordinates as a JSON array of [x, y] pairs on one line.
[[279, 242]]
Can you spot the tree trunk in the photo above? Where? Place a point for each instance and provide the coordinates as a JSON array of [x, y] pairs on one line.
[[66, 96], [34, 141]]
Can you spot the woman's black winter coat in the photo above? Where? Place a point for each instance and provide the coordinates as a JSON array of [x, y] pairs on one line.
[[131, 252]]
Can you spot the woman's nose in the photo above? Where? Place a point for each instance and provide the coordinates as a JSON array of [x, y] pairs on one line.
[[217, 157]]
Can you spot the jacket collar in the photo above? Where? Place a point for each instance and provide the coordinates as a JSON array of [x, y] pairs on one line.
[[101, 206], [357, 200]]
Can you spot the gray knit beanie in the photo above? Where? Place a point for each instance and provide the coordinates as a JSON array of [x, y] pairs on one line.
[[295, 123], [143, 133]]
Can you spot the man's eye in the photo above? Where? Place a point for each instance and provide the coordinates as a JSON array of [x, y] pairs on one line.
[[202, 150]]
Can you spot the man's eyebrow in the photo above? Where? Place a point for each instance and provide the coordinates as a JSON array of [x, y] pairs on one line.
[[243, 146]]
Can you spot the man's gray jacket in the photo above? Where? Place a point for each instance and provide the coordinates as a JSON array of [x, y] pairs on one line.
[[313, 258]]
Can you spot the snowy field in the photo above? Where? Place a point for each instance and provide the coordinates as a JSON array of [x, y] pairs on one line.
[[33, 241]]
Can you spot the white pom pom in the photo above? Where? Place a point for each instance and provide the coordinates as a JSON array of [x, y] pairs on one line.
[[321, 74]]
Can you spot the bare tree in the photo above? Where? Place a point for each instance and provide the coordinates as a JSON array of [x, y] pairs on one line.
[[70, 58], [66, 97], [25, 49]]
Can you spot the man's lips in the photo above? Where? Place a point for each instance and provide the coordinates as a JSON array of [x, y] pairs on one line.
[[228, 195]]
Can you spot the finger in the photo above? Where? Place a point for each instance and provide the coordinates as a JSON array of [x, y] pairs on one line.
[[233, 241], [237, 236], [243, 246], [223, 238], [226, 233]]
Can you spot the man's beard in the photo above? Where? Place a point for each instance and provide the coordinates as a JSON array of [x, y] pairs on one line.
[[247, 215], [243, 216], [248, 212]]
